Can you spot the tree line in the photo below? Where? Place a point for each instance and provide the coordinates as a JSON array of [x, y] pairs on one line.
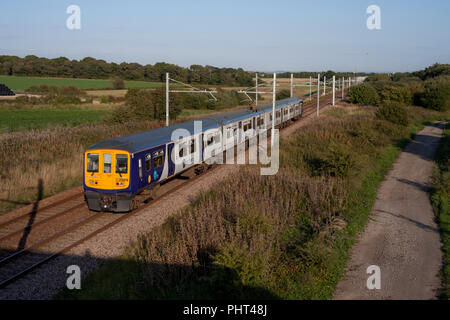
[[91, 68], [428, 88]]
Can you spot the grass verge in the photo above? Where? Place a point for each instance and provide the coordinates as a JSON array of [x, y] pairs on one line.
[[440, 199], [285, 236]]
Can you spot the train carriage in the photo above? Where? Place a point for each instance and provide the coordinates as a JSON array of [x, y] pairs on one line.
[[117, 169]]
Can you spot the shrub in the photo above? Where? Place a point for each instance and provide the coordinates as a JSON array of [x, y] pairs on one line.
[[436, 95], [399, 94], [393, 112], [364, 94], [118, 83], [283, 94], [104, 99], [336, 162]]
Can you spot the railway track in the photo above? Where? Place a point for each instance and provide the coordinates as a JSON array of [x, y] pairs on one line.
[[36, 237]]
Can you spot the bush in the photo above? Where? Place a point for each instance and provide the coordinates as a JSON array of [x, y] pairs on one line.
[[364, 94], [118, 83], [283, 94], [436, 95], [104, 99], [401, 95], [393, 112]]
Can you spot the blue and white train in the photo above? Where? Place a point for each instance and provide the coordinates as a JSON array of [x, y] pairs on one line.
[[118, 169]]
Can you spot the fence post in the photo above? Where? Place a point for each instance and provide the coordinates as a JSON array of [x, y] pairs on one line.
[[318, 92], [334, 88]]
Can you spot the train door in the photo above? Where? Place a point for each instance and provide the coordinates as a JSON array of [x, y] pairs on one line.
[[107, 176], [157, 165], [141, 173], [201, 146], [229, 137], [239, 136], [170, 159]]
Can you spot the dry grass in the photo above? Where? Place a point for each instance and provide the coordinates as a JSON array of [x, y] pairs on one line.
[[114, 93], [54, 155]]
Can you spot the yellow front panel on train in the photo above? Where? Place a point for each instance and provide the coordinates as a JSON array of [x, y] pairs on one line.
[[107, 169]]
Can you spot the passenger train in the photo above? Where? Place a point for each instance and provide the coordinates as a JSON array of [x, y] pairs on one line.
[[118, 169]]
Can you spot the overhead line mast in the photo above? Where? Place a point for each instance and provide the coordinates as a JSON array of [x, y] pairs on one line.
[[194, 90]]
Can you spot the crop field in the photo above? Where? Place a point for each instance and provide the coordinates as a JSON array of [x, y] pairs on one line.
[[40, 118], [22, 83]]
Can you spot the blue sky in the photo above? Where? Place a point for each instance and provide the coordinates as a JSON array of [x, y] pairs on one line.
[[255, 35]]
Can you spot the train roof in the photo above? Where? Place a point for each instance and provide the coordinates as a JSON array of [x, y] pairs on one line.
[[152, 138], [280, 104]]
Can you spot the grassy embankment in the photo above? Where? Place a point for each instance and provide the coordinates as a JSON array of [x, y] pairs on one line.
[[285, 236], [440, 198]]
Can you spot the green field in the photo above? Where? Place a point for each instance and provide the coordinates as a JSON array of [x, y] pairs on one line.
[[22, 83], [25, 119]]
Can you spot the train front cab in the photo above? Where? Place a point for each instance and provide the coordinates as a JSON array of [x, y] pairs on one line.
[[107, 185]]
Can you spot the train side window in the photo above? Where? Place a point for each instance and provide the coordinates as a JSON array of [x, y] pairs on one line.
[[210, 139], [262, 121], [148, 161], [192, 146], [92, 162], [121, 163], [107, 162], [271, 117], [158, 159], [181, 152]]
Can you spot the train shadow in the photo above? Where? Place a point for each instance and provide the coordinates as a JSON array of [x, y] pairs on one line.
[[32, 213], [129, 280]]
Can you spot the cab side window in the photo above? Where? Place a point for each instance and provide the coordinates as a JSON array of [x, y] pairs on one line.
[[92, 162], [121, 163]]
